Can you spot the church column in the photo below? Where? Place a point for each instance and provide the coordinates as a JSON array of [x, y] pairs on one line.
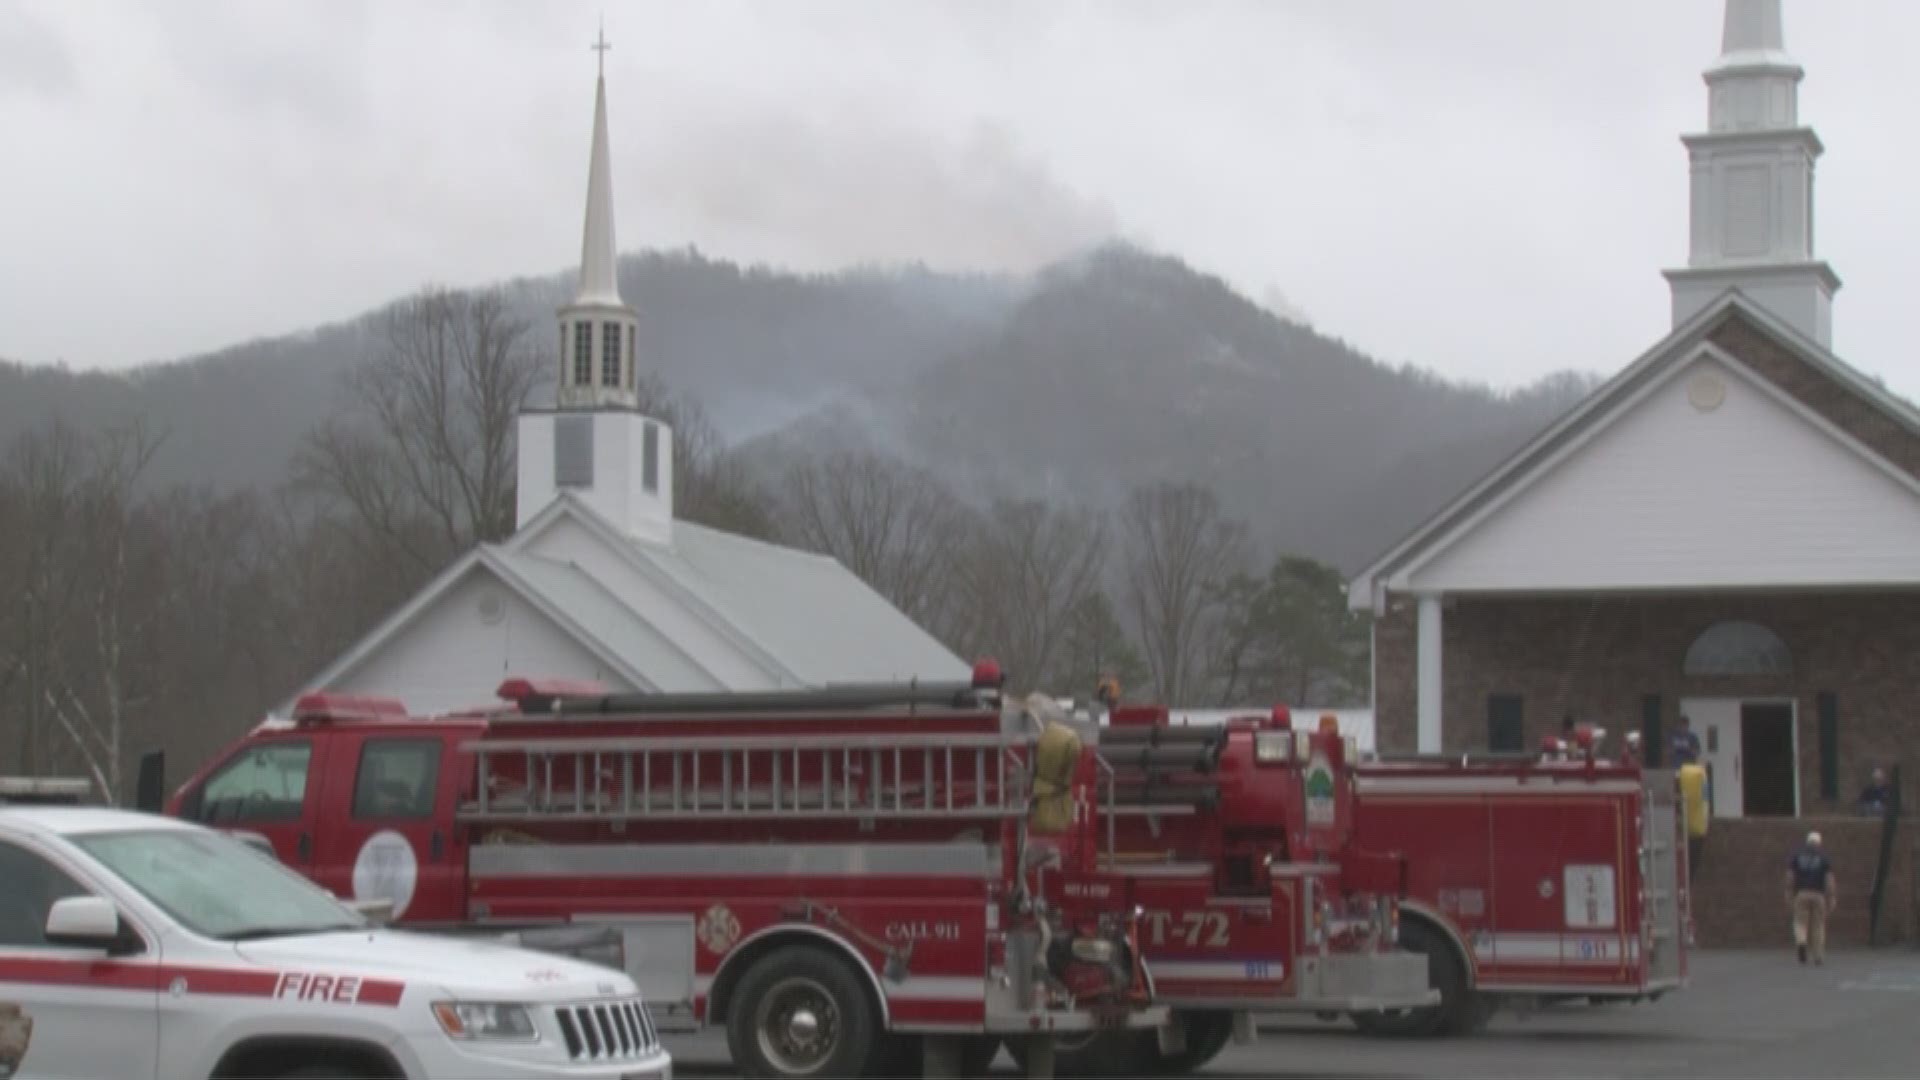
[[1428, 684]]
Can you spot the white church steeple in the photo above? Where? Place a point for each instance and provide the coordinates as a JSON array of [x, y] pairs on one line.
[[1752, 183], [598, 329], [597, 445]]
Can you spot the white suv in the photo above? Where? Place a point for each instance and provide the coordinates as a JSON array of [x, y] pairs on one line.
[[140, 946]]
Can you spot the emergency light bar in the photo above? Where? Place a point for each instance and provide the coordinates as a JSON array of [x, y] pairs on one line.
[[334, 708], [522, 689]]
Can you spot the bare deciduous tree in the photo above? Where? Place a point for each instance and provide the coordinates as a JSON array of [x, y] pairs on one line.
[[45, 476], [893, 526], [88, 688], [1025, 572], [432, 441], [1180, 553]]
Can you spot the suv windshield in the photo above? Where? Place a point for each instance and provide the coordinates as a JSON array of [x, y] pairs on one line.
[[216, 886]]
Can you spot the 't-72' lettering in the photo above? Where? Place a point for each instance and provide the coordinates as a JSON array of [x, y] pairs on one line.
[[1193, 928]]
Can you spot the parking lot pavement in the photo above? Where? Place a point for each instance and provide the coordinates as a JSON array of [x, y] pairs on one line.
[[1746, 1014]]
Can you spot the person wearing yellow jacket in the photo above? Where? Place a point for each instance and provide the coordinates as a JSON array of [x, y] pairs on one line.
[[1693, 804]]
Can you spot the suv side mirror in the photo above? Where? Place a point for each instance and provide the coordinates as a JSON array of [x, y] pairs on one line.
[[84, 921]]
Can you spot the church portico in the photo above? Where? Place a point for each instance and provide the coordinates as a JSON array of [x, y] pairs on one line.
[[1516, 666]]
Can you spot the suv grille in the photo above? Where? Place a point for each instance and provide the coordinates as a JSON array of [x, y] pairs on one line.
[[608, 1031]]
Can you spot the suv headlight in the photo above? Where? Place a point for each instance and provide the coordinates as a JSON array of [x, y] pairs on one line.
[[485, 1020]]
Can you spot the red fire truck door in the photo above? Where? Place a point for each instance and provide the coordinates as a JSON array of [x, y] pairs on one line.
[[268, 786], [384, 830]]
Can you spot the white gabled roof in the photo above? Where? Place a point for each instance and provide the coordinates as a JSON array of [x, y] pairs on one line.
[[1560, 439], [797, 618], [805, 617]]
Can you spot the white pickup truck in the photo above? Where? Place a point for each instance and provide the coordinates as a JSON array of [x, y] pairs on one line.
[[135, 946]]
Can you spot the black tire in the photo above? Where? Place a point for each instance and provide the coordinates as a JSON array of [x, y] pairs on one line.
[[801, 1012], [1208, 1033], [1475, 1011], [323, 1072], [1446, 972]]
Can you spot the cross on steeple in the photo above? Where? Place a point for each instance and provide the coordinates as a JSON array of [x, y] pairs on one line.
[[600, 45]]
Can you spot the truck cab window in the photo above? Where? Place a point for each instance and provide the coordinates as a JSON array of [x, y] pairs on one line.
[[29, 886], [396, 778], [265, 783]]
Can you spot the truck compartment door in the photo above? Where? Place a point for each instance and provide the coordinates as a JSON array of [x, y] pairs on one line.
[[658, 951], [1561, 903]]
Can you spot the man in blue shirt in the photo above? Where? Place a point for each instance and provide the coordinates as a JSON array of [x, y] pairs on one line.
[[1877, 796], [1684, 747], [1810, 896]]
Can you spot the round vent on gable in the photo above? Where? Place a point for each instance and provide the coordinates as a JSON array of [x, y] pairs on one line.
[[1706, 391], [493, 607]]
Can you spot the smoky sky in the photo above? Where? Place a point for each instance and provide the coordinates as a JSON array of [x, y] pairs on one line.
[[1487, 188]]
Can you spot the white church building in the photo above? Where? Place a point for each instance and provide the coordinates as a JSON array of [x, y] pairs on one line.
[[599, 581], [1725, 533]]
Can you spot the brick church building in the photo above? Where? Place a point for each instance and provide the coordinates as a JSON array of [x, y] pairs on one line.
[[1729, 529]]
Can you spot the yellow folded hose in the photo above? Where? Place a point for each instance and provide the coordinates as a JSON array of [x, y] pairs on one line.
[[1054, 762]]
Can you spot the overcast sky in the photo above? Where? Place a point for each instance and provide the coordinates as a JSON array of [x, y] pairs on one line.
[[1485, 187]]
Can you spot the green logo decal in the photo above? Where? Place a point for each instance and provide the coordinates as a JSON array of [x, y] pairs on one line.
[[1319, 792], [1320, 784]]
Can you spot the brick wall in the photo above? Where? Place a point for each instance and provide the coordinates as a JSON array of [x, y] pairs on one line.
[[1860, 647], [1739, 898]]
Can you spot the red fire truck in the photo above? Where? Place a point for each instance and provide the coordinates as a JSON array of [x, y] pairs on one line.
[[1236, 841], [846, 879], [811, 868], [1535, 879]]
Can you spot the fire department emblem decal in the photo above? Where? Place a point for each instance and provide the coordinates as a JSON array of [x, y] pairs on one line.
[[1319, 792], [16, 1034], [718, 929], [385, 869]]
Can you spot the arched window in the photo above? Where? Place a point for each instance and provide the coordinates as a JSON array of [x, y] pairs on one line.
[[1738, 648]]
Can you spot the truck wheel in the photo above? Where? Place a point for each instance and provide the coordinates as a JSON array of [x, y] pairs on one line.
[[1208, 1033], [1445, 973], [323, 1072], [1471, 1016], [800, 1012]]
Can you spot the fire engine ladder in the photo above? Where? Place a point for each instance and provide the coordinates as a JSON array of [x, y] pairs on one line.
[[818, 777], [837, 775], [1663, 918]]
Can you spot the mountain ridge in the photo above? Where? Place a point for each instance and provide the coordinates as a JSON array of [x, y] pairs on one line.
[[1000, 384]]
